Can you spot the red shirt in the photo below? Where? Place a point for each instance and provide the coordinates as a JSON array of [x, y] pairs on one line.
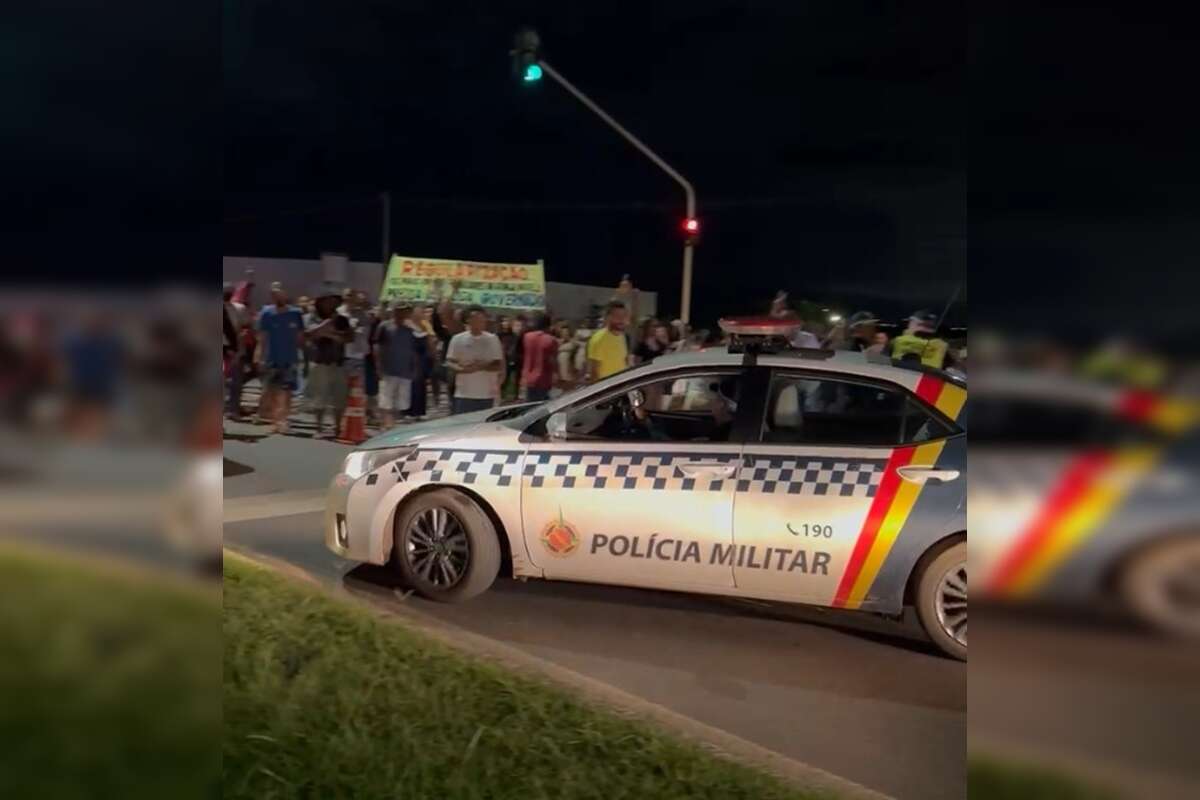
[[541, 360]]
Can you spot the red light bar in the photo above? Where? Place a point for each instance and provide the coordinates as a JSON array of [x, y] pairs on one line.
[[758, 326]]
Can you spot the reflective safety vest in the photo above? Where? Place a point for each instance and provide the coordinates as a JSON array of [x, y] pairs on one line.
[[932, 352]]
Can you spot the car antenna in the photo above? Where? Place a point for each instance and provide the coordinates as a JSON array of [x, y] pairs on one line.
[[941, 317]]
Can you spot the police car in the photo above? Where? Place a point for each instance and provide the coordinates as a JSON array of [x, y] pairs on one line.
[[1084, 496], [754, 470]]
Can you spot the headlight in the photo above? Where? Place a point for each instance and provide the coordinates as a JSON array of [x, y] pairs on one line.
[[360, 462]]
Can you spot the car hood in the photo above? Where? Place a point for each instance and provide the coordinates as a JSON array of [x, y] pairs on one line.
[[444, 429]]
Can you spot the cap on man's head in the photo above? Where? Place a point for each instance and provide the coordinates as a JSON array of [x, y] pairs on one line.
[[924, 320], [861, 318], [276, 286]]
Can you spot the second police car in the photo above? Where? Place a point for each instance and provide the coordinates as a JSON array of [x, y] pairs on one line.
[[754, 471]]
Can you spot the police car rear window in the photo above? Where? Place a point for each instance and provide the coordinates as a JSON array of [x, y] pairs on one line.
[[805, 409], [1040, 423]]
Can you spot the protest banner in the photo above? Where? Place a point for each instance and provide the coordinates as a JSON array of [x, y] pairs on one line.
[[519, 287]]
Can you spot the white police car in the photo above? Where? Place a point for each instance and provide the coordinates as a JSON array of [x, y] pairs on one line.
[[753, 471]]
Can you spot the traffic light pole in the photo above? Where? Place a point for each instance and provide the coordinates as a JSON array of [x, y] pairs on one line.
[[690, 193], [386, 230]]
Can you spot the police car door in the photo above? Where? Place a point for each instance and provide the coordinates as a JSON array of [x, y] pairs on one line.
[[819, 504], [638, 499]]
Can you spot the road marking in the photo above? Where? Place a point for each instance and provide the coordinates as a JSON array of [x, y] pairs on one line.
[[276, 504]]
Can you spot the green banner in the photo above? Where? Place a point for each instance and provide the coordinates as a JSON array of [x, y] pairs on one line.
[[520, 287]]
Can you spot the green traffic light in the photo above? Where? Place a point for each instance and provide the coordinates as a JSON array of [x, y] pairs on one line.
[[533, 72]]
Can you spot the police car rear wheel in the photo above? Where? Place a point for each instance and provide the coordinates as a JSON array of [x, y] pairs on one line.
[[446, 546], [942, 600], [1162, 586]]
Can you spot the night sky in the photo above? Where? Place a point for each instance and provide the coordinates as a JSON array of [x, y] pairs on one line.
[[827, 142]]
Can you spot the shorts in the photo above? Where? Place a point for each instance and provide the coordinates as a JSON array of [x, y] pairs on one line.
[[395, 394], [327, 386], [280, 377], [354, 366]]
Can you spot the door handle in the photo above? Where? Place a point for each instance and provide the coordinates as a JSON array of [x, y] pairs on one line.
[[707, 469], [933, 475]]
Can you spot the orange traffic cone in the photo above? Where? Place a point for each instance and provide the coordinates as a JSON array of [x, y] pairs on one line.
[[353, 430]]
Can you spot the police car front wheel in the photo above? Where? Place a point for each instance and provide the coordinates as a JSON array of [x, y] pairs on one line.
[[446, 546]]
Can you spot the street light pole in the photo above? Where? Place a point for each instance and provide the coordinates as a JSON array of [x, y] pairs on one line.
[[689, 192], [386, 198]]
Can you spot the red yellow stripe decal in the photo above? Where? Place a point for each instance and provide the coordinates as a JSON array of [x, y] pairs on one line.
[[1086, 494], [945, 397], [1169, 414], [885, 519], [894, 499]]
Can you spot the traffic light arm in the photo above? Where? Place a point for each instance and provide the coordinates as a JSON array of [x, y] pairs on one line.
[[685, 302], [629, 137]]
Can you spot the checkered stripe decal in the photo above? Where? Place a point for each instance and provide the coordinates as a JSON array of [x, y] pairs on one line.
[[483, 467], [644, 471], [762, 473], [809, 476]]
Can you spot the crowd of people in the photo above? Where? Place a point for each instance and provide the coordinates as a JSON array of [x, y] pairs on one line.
[[412, 358], [134, 369]]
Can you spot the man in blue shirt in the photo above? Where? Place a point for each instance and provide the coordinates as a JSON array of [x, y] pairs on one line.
[[397, 354], [280, 337]]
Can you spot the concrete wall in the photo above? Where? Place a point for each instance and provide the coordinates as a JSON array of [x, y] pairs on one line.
[[303, 276], [574, 301]]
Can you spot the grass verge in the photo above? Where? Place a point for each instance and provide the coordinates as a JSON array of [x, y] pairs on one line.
[[992, 779], [109, 682], [325, 699]]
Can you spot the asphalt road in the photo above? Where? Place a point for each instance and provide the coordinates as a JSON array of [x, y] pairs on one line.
[[1099, 699], [862, 698]]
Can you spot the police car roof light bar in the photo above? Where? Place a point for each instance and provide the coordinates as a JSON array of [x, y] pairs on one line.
[[756, 335], [763, 335]]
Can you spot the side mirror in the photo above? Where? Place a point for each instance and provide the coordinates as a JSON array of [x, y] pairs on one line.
[[636, 398], [556, 426]]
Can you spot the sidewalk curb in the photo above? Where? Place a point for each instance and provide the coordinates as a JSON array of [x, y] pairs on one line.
[[712, 739]]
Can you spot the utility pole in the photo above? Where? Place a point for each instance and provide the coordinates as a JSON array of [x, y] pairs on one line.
[[386, 227], [531, 67]]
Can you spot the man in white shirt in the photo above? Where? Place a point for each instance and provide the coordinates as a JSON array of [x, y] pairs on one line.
[[354, 308], [477, 360]]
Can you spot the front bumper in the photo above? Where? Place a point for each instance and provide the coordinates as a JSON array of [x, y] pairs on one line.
[[338, 537]]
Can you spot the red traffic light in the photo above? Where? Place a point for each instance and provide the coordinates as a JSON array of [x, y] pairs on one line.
[[691, 225]]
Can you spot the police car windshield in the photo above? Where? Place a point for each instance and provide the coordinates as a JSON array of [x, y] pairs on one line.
[[518, 417]]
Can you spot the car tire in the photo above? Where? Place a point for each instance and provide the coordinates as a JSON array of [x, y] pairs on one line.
[[1159, 586], [941, 600], [445, 546]]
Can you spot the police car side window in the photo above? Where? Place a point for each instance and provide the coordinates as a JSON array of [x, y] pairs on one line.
[[921, 426], [680, 408], [811, 410]]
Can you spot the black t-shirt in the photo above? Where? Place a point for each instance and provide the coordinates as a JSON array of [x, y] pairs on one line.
[[645, 353], [330, 351]]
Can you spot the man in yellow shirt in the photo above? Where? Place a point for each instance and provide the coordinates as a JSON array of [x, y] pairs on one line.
[[607, 349], [920, 342]]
